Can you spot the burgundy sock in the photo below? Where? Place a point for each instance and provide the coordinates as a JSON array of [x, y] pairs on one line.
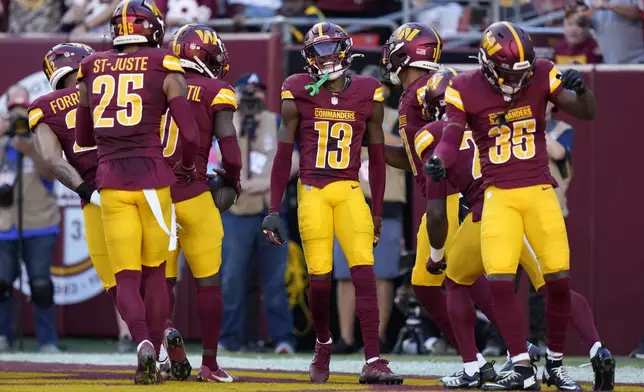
[[435, 303], [156, 302], [209, 310], [319, 299], [581, 318], [169, 285], [463, 318], [130, 304], [482, 297], [364, 281], [508, 316], [557, 312]]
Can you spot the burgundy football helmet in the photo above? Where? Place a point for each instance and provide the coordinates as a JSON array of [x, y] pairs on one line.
[[62, 60], [434, 99], [200, 48], [506, 56], [137, 22], [327, 49], [411, 45]]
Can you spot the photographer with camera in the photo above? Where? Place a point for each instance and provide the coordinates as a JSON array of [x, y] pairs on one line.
[[29, 223], [244, 245]]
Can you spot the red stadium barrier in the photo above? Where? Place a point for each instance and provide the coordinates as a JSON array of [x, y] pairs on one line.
[[605, 215]]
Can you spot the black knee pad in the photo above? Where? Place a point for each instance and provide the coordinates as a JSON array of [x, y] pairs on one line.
[[42, 293], [6, 291]]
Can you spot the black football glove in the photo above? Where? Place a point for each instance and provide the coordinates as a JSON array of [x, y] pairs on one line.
[[228, 182], [435, 168], [184, 174], [572, 80], [435, 267], [88, 193], [272, 227]]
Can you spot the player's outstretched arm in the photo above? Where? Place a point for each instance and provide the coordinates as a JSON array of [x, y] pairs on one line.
[[377, 165], [51, 151], [84, 123], [575, 99], [224, 130], [175, 89], [396, 156]]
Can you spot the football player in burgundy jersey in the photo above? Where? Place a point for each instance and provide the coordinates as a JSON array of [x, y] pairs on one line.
[[213, 102], [503, 103], [330, 113], [464, 263], [409, 58], [124, 92], [52, 118]]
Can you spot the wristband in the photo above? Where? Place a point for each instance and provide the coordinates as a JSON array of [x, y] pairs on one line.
[[437, 254]]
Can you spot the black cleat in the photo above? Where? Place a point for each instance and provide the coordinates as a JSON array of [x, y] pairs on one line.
[[180, 368], [146, 370], [554, 373], [604, 368], [533, 352], [464, 381], [520, 378], [486, 373]]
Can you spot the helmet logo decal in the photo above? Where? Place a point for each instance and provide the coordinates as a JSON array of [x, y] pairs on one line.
[[51, 67], [490, 45], [407, 33], [434, 81], [207, 37]]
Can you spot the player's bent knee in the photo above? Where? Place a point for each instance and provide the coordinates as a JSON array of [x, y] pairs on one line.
[[323, 276], [152, 263], [420, 277], [6, 291], [461, 280], [209, 281], [501, 277], [556, 275], [42, 293]]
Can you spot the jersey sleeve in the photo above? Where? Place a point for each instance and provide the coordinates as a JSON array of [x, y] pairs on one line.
[[83, 68], [554, 83], [225, 99], [455, 108], [36, 115], [171, 63], [422, 142], [288, 88], [377, 94]]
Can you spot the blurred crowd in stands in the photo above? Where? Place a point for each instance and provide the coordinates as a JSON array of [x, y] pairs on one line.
[[595, 31]]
